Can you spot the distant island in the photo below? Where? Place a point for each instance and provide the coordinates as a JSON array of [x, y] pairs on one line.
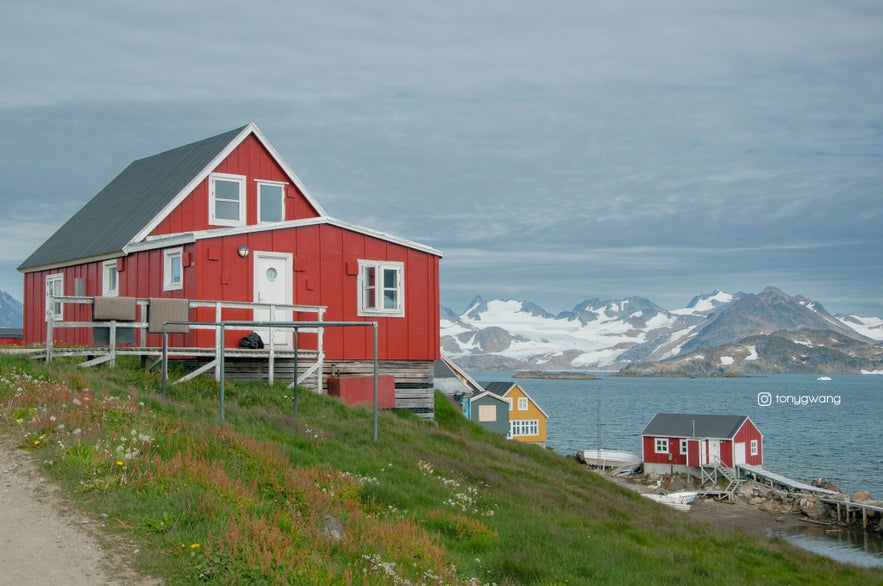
[[555, 375]]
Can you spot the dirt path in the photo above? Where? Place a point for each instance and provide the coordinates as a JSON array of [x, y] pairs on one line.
[[43, 541]]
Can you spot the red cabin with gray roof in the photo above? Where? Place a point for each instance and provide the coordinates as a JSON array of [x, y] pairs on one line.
[[226, 219], [680, 442]]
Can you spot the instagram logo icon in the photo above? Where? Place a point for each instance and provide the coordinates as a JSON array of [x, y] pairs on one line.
[[764, 399]]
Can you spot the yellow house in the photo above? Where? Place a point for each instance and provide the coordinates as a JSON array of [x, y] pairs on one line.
[[527, 420]]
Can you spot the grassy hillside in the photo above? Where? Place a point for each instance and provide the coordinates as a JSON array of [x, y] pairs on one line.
[[270, 499]]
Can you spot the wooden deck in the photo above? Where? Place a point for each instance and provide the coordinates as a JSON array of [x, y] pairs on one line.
[[413, 379]]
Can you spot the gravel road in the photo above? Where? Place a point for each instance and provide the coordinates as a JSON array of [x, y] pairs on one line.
[[44, 540]]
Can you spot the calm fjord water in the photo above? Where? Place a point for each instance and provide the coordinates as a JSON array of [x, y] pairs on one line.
[[811, 428]]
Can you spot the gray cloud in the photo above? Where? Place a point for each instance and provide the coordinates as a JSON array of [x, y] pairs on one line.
[[553, 152]]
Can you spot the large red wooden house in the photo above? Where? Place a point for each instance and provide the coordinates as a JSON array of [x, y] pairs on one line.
[[686, 443], [226, 219]]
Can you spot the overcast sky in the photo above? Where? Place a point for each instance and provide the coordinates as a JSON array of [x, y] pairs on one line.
[[554, 151]]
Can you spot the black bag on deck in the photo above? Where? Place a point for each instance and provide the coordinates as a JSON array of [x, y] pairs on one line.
[[253, 340]]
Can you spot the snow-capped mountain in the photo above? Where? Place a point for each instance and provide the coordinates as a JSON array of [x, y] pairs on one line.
[[10, 311], [634, 332]]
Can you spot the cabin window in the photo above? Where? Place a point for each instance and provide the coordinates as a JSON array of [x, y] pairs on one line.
[[683, 447], [661, 445], [110, 283], [523, 427], [55, 288], [226, 200], [754, 447], [522, 403], [381, 288], [271, 202], [173, 275]]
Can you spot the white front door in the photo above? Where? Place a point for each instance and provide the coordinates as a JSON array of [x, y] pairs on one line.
[[273, 285], [739, 453], [714, 452]]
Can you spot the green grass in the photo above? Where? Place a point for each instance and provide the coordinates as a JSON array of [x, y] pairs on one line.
[[269, 499]]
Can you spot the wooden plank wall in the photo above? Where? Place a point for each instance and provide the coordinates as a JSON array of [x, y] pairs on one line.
[[414, 379]]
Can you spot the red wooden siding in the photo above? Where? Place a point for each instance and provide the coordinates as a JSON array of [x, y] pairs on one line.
[[325, 258], [746, 433], [674, 449], [251, 160], [140, 275]]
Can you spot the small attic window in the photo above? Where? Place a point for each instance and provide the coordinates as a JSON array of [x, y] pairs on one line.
[[226, 200], [271, 201]]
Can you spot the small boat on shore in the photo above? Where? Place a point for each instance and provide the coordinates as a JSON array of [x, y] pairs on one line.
[[676, 500], [607, 458]]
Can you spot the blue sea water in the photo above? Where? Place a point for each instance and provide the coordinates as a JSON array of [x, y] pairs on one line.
[[811, 428]]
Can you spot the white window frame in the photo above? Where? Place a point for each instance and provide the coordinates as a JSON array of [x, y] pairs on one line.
[[55, 284], [522, 403], [660, 445], [371, 300], [524, 427], [212, 201], [683, 447], [110, 276], [281, 195], [755, 447], [169, 257]]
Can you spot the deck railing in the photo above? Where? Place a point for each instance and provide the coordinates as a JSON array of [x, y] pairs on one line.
[[272, 349]]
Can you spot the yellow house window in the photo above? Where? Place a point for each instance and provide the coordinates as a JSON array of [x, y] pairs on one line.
[[524, 427]]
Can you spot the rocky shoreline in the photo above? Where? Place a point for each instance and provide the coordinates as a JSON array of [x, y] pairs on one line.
[[761, 510]]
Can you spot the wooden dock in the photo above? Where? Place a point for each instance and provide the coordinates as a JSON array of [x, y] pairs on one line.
[[774, 480], [848, 507]]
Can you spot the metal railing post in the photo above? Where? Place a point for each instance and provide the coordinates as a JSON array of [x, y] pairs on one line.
[[165, 361], [376, 377], [296, 377], [222, 373]]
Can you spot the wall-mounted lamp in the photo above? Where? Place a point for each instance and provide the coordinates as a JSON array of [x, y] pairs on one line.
[[243, 250]]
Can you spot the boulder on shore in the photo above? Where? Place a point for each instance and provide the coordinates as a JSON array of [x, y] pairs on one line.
[[813, 508], [862, 496]]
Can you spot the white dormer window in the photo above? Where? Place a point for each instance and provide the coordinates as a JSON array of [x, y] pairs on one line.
[[110, 282], [226, 200], [271, 201]]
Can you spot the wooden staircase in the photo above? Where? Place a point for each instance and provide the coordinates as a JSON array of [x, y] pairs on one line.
[[711, 474]]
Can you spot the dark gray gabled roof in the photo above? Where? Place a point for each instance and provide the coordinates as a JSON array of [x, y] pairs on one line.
[[111, 219], [497, 388], [682, 425]]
